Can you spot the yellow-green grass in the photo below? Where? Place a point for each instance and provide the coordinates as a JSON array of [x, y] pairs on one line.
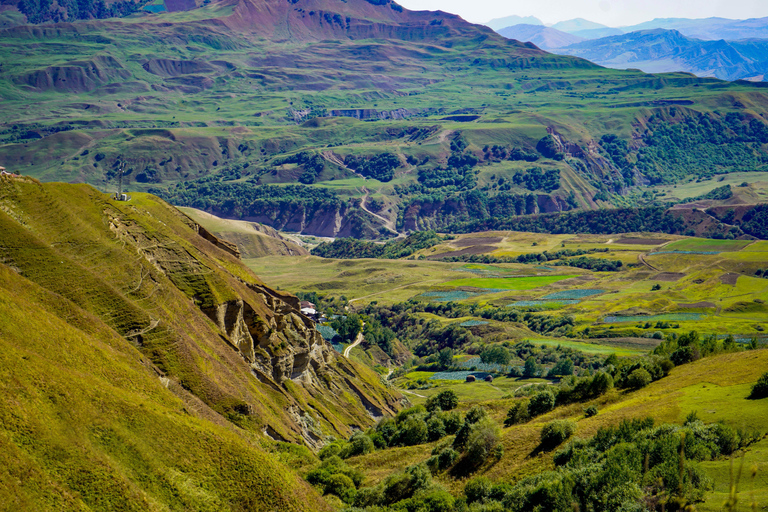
[[700, 244], [694, 189], [590, 347], [472, 392], [507, 283], [416, 375], [88, 424], [736, 475]]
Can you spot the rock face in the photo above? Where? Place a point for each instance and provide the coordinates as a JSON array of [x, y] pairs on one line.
[[230, 346]]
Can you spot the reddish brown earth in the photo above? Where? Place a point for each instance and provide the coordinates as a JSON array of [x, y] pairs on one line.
[[641, 241], [466, 242]]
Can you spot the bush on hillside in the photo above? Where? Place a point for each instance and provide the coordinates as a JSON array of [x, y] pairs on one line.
[[638, 379], [760, 388], [557, 431], [445, 401], [541, 403]]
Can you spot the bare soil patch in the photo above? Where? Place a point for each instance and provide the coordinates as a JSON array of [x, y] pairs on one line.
[[698, 305], [475, 249], [729, 278], [641, 241], [668, 276], [476, 240]]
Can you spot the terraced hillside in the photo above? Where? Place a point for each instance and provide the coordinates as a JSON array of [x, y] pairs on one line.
[[145, 367]]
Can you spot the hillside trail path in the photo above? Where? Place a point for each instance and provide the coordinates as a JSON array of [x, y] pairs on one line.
[[641, 256], [388, 223], [358, 341], [412, 393]]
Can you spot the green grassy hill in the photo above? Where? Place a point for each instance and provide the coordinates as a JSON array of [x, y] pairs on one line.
[[145, 367]]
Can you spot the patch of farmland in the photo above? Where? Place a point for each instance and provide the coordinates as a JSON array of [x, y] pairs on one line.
[[705, 245], [665, 317], [478, 364], [573, 294], [507, 283], [475, 249], [447, 296], [641, 241], [549, 303], [684, 252], [477, 240], [327, 332], [729, 278], [702, 304], [458, 375]]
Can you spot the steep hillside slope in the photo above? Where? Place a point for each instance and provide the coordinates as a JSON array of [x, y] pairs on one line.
[[226, 344], [88, 425]]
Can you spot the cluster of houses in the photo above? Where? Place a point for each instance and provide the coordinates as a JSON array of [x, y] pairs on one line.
[[309, 310], [3, 172]]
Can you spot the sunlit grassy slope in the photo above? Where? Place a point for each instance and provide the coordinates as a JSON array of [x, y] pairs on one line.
[[88, 424], [126, 381]]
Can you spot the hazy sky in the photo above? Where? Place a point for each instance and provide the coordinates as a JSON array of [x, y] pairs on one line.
[[608, 12]]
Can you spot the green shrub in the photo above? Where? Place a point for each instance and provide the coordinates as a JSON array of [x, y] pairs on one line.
[[518, 413], [557, 431], [413, 431], [541, 403], [483, 438], [342, 486], [639, 378], [590, 411], [760, 388], [452, 422], [329, 450], [445, 401], [478, 489], [475, 414], [435, 429], [446, 458], [359, 444]]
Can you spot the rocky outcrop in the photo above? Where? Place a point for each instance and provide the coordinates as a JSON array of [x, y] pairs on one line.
[[276, 345]]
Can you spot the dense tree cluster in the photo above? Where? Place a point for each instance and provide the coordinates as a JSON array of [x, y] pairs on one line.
[[379, 167], [698, 145], [350, 248], [596, 264], [620, 220], [497, 153], [311, 164], [536, 179]]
